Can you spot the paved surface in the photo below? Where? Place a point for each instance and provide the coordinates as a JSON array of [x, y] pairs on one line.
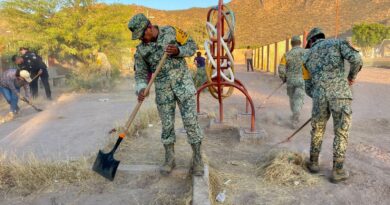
[[74, 125]]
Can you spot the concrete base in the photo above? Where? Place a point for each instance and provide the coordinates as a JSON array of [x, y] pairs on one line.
[[216, 125], [137, 169], [201, 188], [248, 136], [203, 114], [245, 114]]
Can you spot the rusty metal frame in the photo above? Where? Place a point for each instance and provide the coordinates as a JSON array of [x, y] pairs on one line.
[[218, 82]]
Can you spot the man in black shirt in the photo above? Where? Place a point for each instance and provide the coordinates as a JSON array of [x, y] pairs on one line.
[[34, 64]]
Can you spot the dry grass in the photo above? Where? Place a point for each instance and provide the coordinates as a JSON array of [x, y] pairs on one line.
[[167, 199], [148, 114], [286, 168], [30, 175]]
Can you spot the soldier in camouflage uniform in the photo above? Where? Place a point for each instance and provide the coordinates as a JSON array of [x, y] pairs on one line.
[[326, 84], [173, 84], [290, 71]]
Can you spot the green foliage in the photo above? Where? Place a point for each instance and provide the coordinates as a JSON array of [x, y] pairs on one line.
[[369, 35], [68, 29], [91, 78]]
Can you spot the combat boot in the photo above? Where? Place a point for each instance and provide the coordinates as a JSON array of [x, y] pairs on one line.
[[197, 163], [313, 164], [169, 163], [295, 121], [339, 174]]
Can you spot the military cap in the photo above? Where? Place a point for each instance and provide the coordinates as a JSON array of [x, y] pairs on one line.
[[314, 32], [296, 39], [137, 25]]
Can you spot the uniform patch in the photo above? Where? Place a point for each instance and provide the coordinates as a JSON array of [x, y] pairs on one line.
[[283, 60], [305, 73], [181, 36]]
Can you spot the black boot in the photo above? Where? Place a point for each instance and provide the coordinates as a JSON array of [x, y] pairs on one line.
[[197, 163], [169, 163], [313, 164]]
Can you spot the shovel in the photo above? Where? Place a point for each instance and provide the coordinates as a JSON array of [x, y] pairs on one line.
[[29, 103], [105, 163]]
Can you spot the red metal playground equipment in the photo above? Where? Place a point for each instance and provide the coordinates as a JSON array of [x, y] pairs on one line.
[[219, 48]]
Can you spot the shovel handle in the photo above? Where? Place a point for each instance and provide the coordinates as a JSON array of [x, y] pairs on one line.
[[137, 107], [118, 142], [270, 95], [296, 131]]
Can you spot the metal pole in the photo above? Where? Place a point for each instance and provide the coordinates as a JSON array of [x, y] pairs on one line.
[[219, 30], [262, 57], [268, 57], [258, 58], [276, 58]]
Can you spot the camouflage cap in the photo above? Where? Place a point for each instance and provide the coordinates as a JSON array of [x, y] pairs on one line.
[[296, 39], [314, 32], [137, 25]]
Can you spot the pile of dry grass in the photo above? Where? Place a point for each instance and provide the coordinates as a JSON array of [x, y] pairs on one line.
[[30, 175], [285, 168]]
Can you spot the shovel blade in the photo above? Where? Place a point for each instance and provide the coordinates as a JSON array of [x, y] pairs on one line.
[[105, 165]]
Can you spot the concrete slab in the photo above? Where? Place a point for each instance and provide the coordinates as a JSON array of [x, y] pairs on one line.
[[74, 126], [180, 172], [214, 124], [248, 136], [201, 188]]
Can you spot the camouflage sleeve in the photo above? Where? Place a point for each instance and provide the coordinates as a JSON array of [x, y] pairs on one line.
[[308, 82], [353, 57], [282, 68], [141, 73], [187, 46]]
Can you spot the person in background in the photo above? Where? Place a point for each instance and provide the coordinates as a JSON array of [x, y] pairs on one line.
[[200, 63], [249, 59], [34, 64], [290, 72], [11, 81]]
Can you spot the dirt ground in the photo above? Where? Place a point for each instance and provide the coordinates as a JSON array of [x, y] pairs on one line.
[[232, 164]]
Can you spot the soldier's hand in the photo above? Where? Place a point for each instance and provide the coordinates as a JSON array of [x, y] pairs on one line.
[[142, 95], [284, 80], [40, 72], [172, 50], [351, 82]]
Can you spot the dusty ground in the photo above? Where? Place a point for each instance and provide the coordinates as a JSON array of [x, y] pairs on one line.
[[233, 163]]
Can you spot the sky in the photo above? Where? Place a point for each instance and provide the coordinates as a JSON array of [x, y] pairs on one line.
[[168, 4]]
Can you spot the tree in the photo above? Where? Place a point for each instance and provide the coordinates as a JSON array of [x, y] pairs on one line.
[[368, 36], [68, 29]]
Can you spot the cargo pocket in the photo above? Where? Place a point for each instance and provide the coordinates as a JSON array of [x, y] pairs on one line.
[[346, 117], [164, 94], [184, 86]]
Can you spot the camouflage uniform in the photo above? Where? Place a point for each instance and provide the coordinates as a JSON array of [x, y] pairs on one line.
[[325, 83], [173, 84], [290, 71]]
